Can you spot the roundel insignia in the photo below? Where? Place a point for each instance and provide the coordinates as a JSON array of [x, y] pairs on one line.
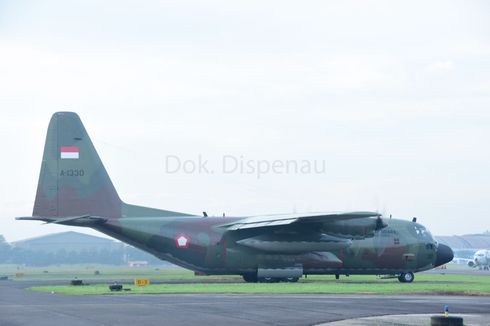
[[182, 241]]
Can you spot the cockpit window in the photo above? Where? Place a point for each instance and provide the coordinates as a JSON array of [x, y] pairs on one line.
[[422, 233]]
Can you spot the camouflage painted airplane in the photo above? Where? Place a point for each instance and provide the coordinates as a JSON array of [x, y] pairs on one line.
[[75, 189]]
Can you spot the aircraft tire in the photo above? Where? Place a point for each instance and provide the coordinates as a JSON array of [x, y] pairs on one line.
[[291, 279], [269, 280], [406, 277]]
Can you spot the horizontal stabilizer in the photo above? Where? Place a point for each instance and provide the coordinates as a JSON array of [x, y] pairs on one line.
[[69, 220]]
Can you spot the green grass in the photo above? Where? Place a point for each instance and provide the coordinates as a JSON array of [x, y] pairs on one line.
[[424, 284], [87, 272]]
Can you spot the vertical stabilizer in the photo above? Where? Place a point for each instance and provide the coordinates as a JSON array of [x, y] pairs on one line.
[[73, 180]]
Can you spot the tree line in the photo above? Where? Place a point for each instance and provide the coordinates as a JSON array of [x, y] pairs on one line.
[[12, 255]]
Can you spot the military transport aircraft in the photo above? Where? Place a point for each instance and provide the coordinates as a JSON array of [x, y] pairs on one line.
[[74, 189]]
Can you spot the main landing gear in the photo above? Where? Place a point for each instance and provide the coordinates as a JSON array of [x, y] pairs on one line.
[[252, 278], [406, 277]]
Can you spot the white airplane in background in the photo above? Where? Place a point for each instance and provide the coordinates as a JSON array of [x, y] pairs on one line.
[[481, 259]]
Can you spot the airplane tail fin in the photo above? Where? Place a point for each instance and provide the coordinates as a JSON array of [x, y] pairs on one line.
[[74, 186], [73, 180]]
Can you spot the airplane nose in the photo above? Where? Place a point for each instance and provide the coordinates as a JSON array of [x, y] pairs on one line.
[[444, 255]]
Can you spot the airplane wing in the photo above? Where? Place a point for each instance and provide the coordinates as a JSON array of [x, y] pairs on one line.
[[286, 219], [303, 233]]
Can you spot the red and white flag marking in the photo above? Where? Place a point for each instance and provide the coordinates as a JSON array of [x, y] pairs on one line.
[[70, 152]]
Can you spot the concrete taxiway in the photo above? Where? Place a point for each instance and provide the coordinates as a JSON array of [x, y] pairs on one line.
[[21, 307], [407, 320]]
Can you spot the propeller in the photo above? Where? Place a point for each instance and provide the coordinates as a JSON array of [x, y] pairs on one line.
[[380, 224], [379, 221]]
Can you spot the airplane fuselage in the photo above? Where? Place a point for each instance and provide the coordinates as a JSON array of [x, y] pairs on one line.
[[199, 244]]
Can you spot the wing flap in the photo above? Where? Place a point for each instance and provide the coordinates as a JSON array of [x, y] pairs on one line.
[[239, 226]]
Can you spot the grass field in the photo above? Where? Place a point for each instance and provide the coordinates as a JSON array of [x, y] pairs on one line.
[[324, 284], [105, 272], [424, 284]]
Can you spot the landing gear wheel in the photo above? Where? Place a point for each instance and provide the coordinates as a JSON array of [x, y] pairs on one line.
[[292, 279], [406, 277], [250, 278], [269, 280]]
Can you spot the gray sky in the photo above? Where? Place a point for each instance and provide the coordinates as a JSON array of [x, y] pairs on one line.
[[394, 97]]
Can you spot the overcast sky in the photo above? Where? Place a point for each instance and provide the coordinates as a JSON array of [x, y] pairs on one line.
[[393, 96]]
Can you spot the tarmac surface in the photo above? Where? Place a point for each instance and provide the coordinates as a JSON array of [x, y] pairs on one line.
[[407, 320], [459, 271], [21, 307]]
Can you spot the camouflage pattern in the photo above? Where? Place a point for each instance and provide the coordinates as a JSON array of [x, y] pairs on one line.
[[79, 192]]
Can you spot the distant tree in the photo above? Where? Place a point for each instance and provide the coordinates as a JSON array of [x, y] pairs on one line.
[[5, 250], [114, 256], [137, 254], [3, 242]]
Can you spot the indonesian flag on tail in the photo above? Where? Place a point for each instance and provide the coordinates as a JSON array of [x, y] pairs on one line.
[[70, 152]]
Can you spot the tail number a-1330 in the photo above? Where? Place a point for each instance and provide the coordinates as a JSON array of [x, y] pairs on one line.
[[72, 173]]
